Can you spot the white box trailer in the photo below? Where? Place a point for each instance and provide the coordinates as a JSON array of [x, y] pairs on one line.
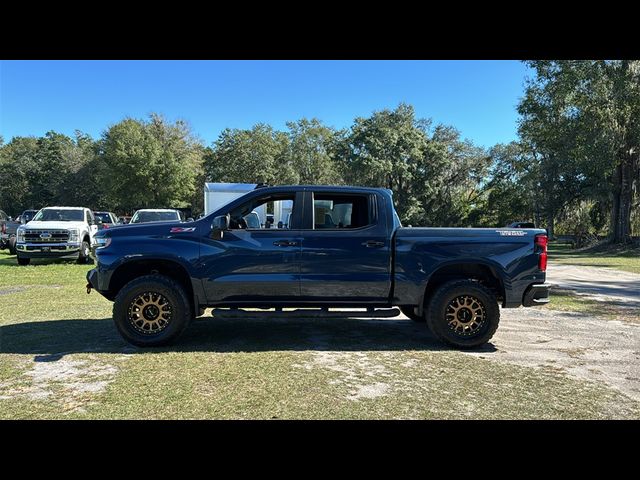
[[217, 195]]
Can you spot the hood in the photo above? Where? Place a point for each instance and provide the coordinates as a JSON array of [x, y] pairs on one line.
[[32, 225], [146, 228]]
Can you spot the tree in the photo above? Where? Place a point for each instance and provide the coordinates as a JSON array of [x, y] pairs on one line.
[[382, 151], [258, 155], [18, 160], [311, 150], [433, 173], [149, 164], [511, 191], [582, 118]]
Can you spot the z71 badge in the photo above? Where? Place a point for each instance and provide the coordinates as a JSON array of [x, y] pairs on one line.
[[182, 229], [511, 233]]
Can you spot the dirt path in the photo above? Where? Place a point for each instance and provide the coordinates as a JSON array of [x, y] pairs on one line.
[[597, 282], [585, 347]]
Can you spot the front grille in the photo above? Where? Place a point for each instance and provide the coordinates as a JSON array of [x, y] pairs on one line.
[[57, 236]]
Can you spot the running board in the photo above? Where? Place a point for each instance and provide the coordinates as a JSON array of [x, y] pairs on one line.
[[306, 313]]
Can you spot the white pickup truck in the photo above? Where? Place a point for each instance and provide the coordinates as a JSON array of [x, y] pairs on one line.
[[57, 232]]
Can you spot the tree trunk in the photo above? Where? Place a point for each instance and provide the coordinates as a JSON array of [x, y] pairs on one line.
[[550, 225], [620, 231]]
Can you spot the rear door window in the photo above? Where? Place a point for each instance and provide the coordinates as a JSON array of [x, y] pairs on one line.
[[335, 211]]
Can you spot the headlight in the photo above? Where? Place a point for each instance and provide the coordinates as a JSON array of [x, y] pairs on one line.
[[103, 242], [73, 235], [20, 235]]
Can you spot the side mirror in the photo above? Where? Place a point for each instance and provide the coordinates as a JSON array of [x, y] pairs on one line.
[[219, 225]]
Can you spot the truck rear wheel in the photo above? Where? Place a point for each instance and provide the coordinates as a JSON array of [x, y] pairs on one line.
[[410, 313], [463, 313], [151, 311]]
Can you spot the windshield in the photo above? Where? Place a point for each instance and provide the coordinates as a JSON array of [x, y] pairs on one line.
[[142, 217], [105, 217], [27, 215], [59, 215]]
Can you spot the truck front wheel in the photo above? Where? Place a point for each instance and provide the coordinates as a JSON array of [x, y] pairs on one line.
[[83, 256], [151, 311], [463, 313]]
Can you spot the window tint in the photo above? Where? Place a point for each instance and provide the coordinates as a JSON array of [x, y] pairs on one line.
[[105, 217], [340, 211], [59, 215], [155, 216], [273, 211]]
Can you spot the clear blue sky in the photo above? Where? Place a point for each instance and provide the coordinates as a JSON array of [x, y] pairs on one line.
[[477, 97]]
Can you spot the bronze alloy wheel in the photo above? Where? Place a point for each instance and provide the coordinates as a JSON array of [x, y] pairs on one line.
[[465, 315], [150, 313]]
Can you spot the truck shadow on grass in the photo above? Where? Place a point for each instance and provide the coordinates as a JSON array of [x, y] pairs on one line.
[[51, 340], [11, 261]]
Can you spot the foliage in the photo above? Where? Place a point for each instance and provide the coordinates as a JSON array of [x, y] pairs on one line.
[[582, 120], [574, 168], [149, 164]]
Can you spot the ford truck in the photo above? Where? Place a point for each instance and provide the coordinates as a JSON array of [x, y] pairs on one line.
[[57, 232]]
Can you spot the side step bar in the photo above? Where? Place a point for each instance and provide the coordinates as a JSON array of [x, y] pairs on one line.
[[306, 313]]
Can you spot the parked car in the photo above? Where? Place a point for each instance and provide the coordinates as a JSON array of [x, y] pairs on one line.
[[57, 232], [4, 234], [522, 225], [160, 276], [26, 216], [156, 215], [106, 219], [12, 228]]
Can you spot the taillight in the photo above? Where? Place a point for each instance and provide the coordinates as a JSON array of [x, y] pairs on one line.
[[541, 241]]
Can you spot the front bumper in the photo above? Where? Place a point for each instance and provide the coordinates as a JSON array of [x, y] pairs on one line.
[[52, 250], [536, 295], [92, 279]]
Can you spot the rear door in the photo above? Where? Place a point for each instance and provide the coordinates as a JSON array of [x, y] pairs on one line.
[[346, 251]]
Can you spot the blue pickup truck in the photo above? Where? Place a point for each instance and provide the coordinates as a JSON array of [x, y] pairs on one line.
[[338, 247]]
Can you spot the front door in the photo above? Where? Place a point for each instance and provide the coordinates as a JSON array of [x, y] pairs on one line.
[[256, 260]]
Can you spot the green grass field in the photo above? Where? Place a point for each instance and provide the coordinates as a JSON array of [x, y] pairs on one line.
[[620, 258], [61, 357]]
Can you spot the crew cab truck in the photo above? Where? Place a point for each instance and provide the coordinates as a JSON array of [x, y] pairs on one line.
[[343, 247], [57, 232]]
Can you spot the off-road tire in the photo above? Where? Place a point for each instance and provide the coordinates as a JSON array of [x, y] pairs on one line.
[[437, 313], [172, 291]]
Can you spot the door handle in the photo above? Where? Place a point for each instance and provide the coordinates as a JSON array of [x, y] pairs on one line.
[[285, 243], [373, 244]]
